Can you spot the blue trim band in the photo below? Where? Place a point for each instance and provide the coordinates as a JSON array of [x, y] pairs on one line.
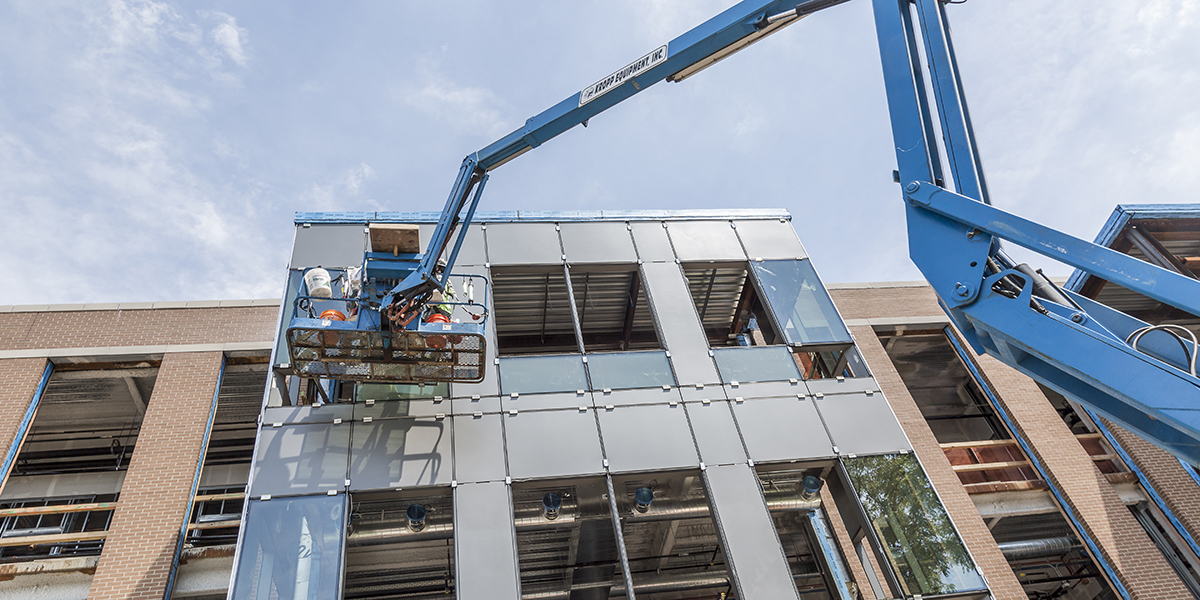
[[25, 422], [1037, 465], [1133, 466]]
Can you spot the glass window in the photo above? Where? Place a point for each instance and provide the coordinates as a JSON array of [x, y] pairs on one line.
[[292, 549], [800, 303], [927, 553], [539, 374], [399, 391], [764, 363], [630, 370]]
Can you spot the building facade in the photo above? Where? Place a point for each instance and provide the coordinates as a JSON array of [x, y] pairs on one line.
[[672, 407]]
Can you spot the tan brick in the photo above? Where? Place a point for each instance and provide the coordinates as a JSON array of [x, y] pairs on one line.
[[153, 505], [19, 379]]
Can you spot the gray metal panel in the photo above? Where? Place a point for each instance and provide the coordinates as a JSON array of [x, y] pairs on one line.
[[546, 401], [523, 244], [329, 246], [705, 240], [301, 459], [652, 242], [632, 397], [751, 544], [782, 429], [472, 405], [553, 443], [307, 414], [645, 438], [716, 433], [712, 391], [769, 239], [833, 386], [472, 252], [766, 390], [862, 424], [394, 409], [478, 448], [490, 386], [400, 453], [680, 326], [597, 242], [485, 543]]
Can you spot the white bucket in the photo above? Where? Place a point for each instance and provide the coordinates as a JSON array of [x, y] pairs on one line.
[[317, 281]]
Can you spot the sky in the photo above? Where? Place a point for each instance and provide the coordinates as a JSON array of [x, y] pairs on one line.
[[157, 150]]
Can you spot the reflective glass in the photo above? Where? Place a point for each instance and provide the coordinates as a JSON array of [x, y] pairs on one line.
[[926, 552], [399, 391], [538, 374], [800, 303], [630, 370], [295, 278], [292, 548], [764, 363]]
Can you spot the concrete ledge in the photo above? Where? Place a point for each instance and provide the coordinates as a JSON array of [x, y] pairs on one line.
[[134, 350], [22, 308], [891, 322], [876, 285]]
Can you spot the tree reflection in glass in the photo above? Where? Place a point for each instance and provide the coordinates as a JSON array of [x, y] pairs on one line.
[[918, 538]]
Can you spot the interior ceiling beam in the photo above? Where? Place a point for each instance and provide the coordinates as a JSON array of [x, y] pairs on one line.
[[104, 374], [139, 403]]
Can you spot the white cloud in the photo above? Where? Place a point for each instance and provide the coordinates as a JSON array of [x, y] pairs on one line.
[[464, 108], [228, 36]]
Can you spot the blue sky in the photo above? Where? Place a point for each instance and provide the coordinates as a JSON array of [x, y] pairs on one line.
[[157, 150]]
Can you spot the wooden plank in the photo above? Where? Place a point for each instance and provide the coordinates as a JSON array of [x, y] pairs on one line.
[[1088, 436], [396, 238], [979, 444], [992, 487], [1101, 457], [210, 497], [991, 466], [215, 524], [56, 509], [56, 538]]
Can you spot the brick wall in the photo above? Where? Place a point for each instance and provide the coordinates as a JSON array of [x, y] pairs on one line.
[[137, 556], [974, 531], [884, 303], [1176, 487], [1125, 545], [101, 328], [19, 378]]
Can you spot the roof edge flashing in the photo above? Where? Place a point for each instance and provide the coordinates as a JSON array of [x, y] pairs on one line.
[[526, 216]]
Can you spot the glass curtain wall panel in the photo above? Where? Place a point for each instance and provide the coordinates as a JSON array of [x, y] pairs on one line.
[[924, 549], [800, 303], [630, 370], [542, 374], [292, 548], [768, 363]]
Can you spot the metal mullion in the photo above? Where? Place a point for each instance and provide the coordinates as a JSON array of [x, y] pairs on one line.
[[574, 311]]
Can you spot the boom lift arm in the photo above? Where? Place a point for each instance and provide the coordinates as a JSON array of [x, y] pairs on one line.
[[1083, 349]]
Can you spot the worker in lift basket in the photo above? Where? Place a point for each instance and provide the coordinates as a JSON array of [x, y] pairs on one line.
[[439, 307]]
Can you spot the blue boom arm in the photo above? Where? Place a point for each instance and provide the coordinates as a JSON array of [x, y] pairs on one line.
[[706, 44], [1069, 343]]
